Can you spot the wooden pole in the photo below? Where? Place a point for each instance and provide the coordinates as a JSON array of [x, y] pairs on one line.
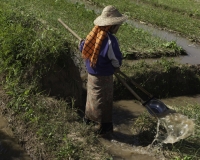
[[137, 85], [69, 29], [129, 88]]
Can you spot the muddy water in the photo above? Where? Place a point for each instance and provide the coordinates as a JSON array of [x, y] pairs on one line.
[[177, 127], [122, 144], [9, 148]]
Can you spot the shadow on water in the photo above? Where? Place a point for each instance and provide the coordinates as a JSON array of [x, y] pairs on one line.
[[125, 114], [10, 149]]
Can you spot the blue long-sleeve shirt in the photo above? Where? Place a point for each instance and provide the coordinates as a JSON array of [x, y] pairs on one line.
[[109, 58]]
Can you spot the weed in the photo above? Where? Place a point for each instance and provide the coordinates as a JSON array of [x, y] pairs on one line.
[[174, 17], [33, 44], [29, 50]]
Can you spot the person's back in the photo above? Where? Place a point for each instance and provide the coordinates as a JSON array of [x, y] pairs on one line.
[[109, 58]]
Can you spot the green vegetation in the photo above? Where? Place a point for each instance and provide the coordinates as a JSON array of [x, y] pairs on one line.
[[33, 44], [140, 41], [179, 16], [191, 8], [163, 78], [29, 50]]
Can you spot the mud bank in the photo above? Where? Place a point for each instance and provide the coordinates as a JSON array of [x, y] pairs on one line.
[[9, 147]]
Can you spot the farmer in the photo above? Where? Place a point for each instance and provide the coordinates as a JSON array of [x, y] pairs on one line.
[[102, 57]]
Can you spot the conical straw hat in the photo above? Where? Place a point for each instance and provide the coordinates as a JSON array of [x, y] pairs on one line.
[[110, 16]]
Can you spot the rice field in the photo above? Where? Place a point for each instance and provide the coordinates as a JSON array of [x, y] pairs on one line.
[[33, 42]]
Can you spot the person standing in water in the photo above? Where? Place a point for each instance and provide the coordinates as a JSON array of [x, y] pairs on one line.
[[103, 58]]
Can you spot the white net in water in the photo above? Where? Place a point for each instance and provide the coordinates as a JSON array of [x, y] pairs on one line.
[[177, 127]]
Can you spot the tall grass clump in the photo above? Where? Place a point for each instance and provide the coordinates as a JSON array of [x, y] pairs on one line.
[[28, 49]]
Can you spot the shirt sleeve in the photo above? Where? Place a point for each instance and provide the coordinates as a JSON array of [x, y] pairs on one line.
[[81, 45], [111, 55]]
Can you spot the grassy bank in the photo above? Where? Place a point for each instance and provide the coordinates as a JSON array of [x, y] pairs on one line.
[[52, 127], [33, 44], [133, 41], [163, 14], [163, 78]]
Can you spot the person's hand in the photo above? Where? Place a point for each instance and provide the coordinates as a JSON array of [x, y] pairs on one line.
[[117, 70], [80, 43]]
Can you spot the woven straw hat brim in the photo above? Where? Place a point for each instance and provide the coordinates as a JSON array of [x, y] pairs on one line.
[[102, 21]]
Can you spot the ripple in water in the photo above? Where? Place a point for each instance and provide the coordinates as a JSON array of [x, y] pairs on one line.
[[177, 127]]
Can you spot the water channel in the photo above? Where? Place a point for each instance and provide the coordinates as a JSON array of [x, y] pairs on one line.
[[192, 49], [122, 145]]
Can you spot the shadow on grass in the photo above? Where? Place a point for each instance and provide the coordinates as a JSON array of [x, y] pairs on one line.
[[123, 116], [176, 81], [184, 147], [9, 149]]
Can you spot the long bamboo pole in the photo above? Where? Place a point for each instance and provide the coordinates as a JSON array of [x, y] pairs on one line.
[[123, 82], [136, 84], [129, 88], [69, 29]]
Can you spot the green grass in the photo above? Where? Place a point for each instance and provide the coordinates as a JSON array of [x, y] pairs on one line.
[[32, 43], [29, 50], [80, 19], [186, 7], [159, 16]]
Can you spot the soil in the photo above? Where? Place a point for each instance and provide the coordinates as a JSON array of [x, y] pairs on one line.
[[121, 145], [10, 147]]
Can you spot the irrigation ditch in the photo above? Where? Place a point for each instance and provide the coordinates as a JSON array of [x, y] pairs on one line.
[[49, 126]]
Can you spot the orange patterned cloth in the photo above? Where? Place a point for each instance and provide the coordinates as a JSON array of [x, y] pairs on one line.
[[93, 43]]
